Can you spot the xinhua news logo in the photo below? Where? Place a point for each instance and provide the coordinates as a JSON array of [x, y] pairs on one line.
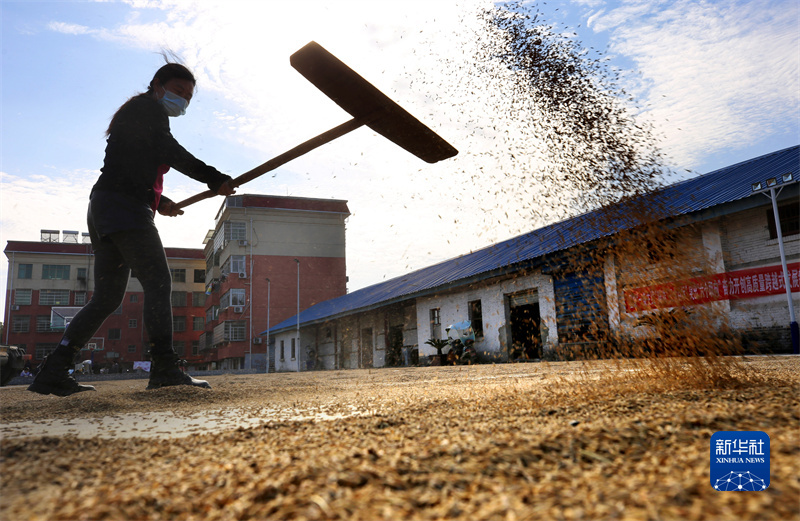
[[740, 461]]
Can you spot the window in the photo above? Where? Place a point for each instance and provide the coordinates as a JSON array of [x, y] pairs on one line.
[[21, 324], [178, 274], [234, 330], [195, 347], [200, 276], [80, 298], [198, 299], [235, 231], [81, 273], [44, 348], [132, 323], [132, 348], [476, 318], [22, 297], [661, 248], [234, 297], [283, 354], [436, 323], [114, 333], [234, 264], [198, 323], [180, 347], [55, 272], [178, 299], [54, 297], [212, 313], [25, 271], [134, 298], [43, 324], [294, 347], [789, 214], [178, 324]]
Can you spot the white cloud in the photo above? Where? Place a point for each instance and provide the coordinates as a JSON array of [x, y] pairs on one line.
[[715, 76], [62, 27]]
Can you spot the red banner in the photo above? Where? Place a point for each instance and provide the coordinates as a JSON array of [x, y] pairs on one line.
[[756, 282]]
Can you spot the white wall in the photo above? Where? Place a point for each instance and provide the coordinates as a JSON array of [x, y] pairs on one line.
[[453, 308]]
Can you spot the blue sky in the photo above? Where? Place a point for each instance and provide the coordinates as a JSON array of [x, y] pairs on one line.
[[719, 80]]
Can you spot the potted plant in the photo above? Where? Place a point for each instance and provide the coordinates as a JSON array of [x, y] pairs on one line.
[[437, 344]]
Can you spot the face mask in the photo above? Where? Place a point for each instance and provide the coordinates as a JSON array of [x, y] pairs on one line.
[[173, 104]]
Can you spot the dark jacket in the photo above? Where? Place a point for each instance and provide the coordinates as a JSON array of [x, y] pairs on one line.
[[139, 142]]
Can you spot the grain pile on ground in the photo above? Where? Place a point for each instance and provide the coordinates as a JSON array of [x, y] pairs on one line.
[[525, 441]]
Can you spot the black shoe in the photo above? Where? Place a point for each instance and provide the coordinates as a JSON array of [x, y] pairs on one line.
[[166, 373], [54, 377]]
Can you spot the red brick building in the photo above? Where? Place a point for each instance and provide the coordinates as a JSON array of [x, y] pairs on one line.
[[48, 281], [264, 253]]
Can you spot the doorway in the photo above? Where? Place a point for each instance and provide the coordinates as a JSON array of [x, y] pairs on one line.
[[394, 355], [525, 321], [366, 347]]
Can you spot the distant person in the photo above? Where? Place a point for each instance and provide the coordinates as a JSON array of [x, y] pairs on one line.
[[26, 373], [123, 202]]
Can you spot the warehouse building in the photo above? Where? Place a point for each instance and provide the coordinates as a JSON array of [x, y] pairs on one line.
[[708, 245]]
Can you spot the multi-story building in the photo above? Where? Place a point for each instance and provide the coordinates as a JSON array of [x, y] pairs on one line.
[[50, 280], [267, 257]]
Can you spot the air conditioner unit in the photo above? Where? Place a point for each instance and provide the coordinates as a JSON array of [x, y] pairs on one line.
[[243, 242], [257, 340], [14, 308], [242, 275], [238, 309]]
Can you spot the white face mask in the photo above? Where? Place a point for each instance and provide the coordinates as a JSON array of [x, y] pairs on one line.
[[173, 104]]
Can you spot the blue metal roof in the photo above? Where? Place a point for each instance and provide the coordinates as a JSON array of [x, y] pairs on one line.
[[722, 186]]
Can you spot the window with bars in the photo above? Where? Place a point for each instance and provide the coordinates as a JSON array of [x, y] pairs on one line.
[[476, 318], [23, 297], [789, 215], [20, 324], [133, 323], [198, 323], [436, 323], [43, 324], [114, 333], [178, 299], [234, 264], [132, 348], [235, 231], [234, 297], [80, 298], [134, 299], [235, 330], [55, 272], [54, 297], [43, 349], [178, 274], [179, 324], [198, 299]]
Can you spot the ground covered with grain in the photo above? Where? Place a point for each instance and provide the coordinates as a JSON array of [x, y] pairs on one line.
[[577, 440]]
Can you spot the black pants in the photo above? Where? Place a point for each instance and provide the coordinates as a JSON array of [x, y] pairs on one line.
[[116, 255]]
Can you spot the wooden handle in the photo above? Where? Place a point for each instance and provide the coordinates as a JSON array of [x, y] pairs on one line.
[[287, 156]]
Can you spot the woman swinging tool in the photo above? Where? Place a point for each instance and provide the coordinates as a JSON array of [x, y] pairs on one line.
[[123, 202]]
